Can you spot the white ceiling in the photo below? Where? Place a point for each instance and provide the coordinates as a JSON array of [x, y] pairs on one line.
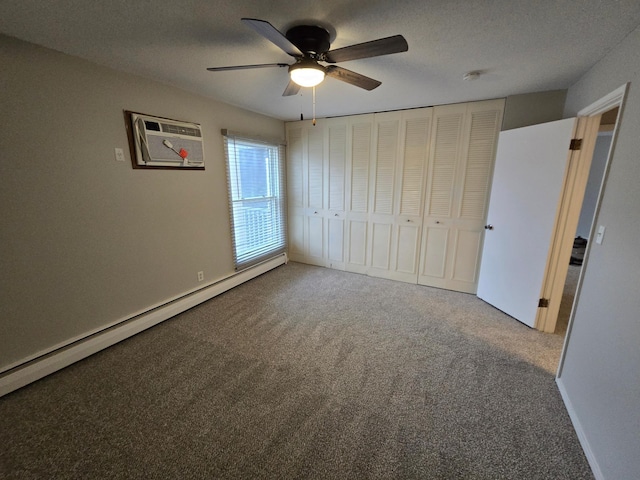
[[521, 46]]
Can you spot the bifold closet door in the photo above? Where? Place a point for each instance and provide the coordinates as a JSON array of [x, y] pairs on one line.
[[399, 195], [296, 175], [335, 181], [315, 211], [415, 132], [398, 181], [462, 155], [387, 131], [359, 161], [306, 193]]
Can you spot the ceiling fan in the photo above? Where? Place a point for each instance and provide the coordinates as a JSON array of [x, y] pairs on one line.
[[309, 45]]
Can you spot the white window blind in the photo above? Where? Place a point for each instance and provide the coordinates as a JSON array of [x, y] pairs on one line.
[[255, 178]]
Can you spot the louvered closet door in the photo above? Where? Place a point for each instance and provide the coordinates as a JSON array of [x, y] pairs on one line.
[[335, 172], [414, 152], [381, 220], [305, 188], [296, 167], [460, 165], [399, 181], [359, 155], [315, 182]]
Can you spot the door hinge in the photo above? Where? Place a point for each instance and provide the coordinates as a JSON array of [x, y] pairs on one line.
[[543, 303], [576, 144]]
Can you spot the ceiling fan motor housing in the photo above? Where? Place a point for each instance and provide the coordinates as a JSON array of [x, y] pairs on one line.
[[309, 39], [309, 45]]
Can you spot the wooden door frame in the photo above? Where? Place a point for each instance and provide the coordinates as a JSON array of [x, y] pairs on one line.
[[606, 103], [574, 186]]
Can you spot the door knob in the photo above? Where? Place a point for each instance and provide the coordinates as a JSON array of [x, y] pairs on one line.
[[488, 227]]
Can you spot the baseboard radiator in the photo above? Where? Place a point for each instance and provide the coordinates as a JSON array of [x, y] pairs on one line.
[[37, 368]]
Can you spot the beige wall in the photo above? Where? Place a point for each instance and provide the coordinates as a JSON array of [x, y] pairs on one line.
[[601, 370], [88, 241], [533, 108]]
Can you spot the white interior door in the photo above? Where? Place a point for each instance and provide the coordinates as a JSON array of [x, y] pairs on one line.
[[527, 184]]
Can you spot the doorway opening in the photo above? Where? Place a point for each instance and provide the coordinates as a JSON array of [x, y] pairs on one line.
[[587, 212]]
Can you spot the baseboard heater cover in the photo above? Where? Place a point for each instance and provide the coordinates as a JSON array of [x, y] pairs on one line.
[[52, 362]]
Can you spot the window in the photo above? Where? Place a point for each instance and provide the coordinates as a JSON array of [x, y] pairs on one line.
[[255, 176]]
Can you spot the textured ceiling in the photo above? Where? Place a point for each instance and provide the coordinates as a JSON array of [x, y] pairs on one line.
[[519, 46]]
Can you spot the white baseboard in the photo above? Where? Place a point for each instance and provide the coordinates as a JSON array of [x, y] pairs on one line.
[[584, 442], [38, 368]]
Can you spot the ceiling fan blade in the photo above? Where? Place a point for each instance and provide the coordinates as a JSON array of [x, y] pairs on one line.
[[292, 89], [374, 48], [246, 67], [272, 34], [353, 78]]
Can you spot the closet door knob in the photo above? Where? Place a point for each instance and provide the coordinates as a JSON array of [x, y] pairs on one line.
[[488, 227]]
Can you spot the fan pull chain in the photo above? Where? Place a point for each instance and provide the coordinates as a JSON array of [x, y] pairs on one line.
[[300, 98], [314, 106]]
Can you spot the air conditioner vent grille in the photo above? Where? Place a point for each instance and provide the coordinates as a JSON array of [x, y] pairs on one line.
[[180, 130]]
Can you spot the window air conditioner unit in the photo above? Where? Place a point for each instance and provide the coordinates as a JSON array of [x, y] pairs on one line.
[[161, 142]]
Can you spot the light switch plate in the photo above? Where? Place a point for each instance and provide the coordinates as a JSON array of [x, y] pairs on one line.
[[600, 235]]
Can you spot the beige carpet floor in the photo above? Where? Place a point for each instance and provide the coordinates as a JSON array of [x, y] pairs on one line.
[[305, 372]]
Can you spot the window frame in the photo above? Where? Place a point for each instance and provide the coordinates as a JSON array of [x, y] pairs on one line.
[[250, 216]]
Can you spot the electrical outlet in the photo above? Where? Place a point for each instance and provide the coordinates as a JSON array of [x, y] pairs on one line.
[[119, 155], [200, 276]]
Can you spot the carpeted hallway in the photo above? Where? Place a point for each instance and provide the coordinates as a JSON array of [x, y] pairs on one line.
[[568, 295], [305, 372]]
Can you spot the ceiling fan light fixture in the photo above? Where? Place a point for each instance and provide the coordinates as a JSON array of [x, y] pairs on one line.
[[306, 73]]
